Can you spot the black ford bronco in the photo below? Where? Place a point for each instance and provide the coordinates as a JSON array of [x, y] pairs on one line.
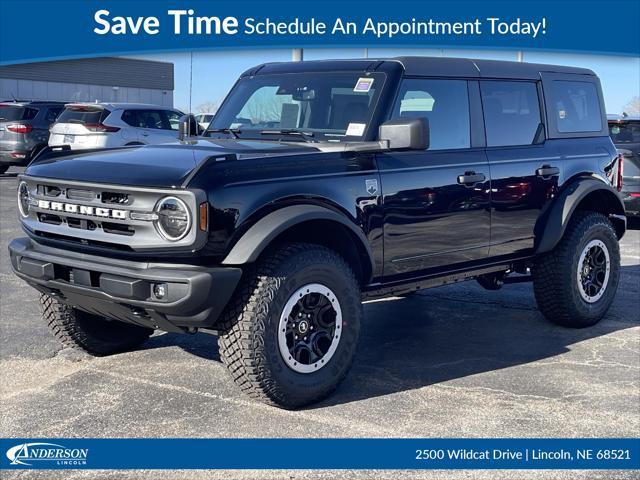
[[320, 184]]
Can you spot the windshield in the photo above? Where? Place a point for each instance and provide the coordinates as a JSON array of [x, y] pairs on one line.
[[83, 114], [325, 106], [16, 112]]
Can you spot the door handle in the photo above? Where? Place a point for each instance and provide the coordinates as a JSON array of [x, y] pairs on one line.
[[471, 178], [145, 134], [547, 171]]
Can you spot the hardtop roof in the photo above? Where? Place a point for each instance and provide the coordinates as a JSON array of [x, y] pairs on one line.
[[423, 66]]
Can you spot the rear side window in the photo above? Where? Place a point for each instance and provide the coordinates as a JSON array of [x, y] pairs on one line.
[[156, 119], [83, 115], [576, 106], [444, 103], [511, 112]]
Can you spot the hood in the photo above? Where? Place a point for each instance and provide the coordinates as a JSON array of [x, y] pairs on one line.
[[166, 165]]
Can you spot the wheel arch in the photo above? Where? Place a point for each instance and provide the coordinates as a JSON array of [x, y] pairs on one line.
[[306, 223], [583, 193]]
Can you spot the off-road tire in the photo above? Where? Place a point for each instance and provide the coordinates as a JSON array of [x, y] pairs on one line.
[[249, 326], [554, 274], [93, 334]]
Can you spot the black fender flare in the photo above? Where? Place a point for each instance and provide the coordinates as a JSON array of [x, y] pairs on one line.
[[554, 222], [253, 242]]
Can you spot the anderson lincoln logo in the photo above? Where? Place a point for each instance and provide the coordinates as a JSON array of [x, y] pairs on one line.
[[47, 453], [82, 209]]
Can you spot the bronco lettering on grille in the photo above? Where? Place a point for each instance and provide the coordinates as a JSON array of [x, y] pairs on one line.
[[82, 209]]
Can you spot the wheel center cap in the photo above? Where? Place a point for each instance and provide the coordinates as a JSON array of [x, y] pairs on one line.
[[303, 326]]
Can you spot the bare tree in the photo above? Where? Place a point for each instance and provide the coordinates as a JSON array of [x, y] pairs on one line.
[[207, 107], [633, 107]]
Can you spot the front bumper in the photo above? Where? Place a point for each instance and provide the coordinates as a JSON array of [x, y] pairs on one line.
[[124, 290]]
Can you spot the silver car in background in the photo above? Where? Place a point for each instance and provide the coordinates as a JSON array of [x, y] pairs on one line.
[[105, 125], [24, 130]]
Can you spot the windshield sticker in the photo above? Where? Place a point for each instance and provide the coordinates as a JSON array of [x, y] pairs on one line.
[[356, 129], [363, 85]]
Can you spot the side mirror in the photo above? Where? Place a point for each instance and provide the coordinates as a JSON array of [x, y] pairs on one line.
[[188, 127], [405, 133]]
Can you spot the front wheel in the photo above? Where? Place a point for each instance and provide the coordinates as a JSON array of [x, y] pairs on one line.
[[290, 335], [576, 283], [90, 333]]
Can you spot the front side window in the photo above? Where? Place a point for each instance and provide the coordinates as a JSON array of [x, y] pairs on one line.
[[445, 105], [329, 106], [173, 119], [576, 106], [511, 112], [52, 114]]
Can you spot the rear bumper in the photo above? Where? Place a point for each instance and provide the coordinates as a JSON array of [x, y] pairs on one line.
[[124, 290], [631, 203], [14, 153]]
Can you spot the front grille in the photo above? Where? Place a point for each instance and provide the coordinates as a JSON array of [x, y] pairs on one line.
[[93, 214], [77, 194]]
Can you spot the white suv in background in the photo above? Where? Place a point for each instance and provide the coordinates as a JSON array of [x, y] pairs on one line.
[[204, 119], [104, 125]]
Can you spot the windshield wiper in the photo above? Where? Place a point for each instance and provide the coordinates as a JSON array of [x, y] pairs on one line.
[[230, 131], [306, 136]]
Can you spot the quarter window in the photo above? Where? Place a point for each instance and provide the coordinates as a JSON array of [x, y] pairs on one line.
[[576, 106], [511, 112], [444, 103]]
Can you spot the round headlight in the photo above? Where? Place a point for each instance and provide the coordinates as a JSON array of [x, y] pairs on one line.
[[23, 199], [174, 219]]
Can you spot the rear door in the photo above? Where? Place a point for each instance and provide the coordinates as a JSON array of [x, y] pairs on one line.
[[436, 201], [524, 169]]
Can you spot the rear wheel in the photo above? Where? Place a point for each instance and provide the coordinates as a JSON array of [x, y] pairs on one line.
[[290, 335], [576, 283], [95, 335]]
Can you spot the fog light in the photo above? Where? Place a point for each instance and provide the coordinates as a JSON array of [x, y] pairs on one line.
[[160, 290]]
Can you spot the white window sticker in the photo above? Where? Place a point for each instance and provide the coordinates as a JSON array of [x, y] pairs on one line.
[[363, 85], [356, 129]]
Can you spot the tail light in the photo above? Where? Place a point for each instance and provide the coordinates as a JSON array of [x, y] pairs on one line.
[[620, 176], [19, 127], [100, 127]]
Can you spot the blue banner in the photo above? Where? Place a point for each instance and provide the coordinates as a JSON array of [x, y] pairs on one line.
[[77, 453], [33, 30]]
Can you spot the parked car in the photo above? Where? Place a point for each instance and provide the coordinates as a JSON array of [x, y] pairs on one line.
[[318, 185], [105, 125], [24, 130], [625, 133], [204, 119]]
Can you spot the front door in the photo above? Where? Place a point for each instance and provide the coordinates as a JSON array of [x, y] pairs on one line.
[[436, 202]]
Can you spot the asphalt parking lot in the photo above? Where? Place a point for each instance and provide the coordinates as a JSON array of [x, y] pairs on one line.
[[456, 361]]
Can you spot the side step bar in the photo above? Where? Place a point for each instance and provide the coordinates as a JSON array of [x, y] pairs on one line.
[[382, 290]]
